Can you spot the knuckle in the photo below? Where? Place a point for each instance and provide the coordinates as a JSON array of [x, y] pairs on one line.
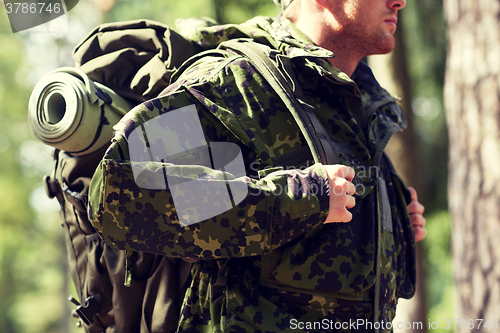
[[338, 181]]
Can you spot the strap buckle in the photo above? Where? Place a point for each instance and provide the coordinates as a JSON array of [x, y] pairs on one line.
[[87, 312], [75, 198]]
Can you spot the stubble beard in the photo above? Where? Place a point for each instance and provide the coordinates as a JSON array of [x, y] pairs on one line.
[[353, 43], [371, 42], [383, 42]]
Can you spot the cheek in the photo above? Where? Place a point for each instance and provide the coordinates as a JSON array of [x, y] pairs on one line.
[[351, 9]]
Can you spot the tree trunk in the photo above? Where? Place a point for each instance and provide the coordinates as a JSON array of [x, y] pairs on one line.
[[472, 98]]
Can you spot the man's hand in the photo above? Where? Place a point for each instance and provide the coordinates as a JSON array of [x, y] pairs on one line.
[[416, 211], [341, 193]]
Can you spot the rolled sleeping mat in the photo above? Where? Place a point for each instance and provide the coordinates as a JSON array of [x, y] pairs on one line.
[[70, 112]]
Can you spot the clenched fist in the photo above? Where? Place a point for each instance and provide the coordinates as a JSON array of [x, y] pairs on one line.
[[341, 193]]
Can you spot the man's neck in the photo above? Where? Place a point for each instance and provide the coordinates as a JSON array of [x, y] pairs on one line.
[[344, 60], [329, 37]]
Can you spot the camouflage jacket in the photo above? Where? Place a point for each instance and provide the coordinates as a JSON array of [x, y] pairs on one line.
[[216, 168]]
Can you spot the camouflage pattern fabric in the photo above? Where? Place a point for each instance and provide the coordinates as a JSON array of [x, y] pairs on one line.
[[287, 267]]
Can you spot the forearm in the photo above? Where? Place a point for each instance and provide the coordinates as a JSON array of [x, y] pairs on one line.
[[275, 210]]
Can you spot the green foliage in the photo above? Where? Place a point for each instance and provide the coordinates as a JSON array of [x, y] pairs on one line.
[[425, 41], [13, 215], [30, 250], [441, 294], [425, 37], [429, 38], [223, 11], [238, 11]]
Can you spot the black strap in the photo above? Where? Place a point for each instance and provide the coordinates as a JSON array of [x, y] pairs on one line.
[[103, 120], [219, 287], [315, 134], [293, 158]]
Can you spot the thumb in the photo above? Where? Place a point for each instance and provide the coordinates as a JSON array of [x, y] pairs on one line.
[[414, 196]]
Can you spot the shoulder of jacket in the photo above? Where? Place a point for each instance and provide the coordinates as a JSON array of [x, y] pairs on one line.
[[212, 66]]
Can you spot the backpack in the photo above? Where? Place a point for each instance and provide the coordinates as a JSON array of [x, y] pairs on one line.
[[120, 56], [135, 291]]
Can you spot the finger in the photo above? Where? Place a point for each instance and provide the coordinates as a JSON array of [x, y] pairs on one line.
[[350, 202], [342, 201], [420, 233], [339, 170], [338, 216], [414, 196], [342, 186], [348, 173], [351, 189], [347, 217], [415, 207], [338, 211], [418, 220]]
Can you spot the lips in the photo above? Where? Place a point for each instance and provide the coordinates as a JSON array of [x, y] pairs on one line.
[[392, 21]]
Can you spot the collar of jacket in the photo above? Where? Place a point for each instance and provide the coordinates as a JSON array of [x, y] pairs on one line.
[[284, 36], [296, 44]]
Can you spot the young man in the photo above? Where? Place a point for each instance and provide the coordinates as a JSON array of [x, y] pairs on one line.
[[312, 247]]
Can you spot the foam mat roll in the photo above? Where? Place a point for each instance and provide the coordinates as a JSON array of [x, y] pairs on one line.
[[70, 112]]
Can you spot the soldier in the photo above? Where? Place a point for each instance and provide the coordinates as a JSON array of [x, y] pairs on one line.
[[309, 246]]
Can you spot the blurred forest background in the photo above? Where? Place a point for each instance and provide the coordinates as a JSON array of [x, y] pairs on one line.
[[34, 282]]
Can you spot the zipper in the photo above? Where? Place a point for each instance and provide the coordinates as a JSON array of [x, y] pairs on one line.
[[363, 117], [390, 132], [378, 262]]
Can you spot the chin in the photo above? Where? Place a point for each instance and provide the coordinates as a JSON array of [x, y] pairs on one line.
[[385, 50], [385, 46]]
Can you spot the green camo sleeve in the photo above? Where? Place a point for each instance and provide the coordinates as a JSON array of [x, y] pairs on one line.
[[199, 204], [276, 209]]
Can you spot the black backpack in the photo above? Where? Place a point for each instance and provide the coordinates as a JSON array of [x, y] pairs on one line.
[[141, 292], [119, 55]]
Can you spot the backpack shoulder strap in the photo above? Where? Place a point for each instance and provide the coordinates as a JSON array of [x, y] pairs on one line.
[[290, 93]]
